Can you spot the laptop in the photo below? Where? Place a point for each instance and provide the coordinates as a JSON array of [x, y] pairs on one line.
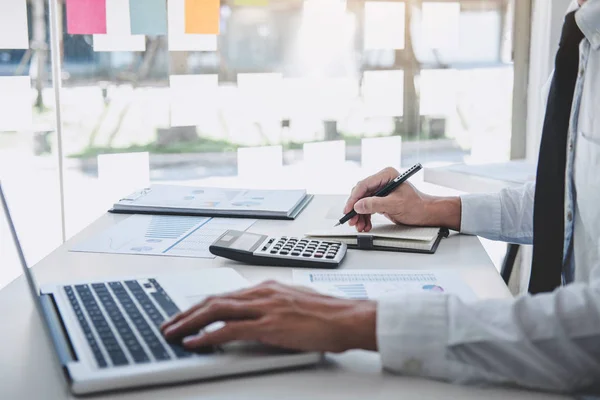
[[106, 334]]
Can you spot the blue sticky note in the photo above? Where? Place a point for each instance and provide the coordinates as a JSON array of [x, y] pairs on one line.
[[148, 17]]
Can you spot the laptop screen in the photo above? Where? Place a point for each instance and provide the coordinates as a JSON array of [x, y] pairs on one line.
[[11, 254], [10, 267]]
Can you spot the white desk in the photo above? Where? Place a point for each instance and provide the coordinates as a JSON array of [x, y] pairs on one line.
[[28, 370], [481, 178]]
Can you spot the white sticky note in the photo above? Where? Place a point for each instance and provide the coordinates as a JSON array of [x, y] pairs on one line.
[[15, 103], [181, 41], [438, 92], [324, 154], [440, 25], [384, 25], [383, 93], [14, 31], [118, 30], [253, 162], [261, 94], [379, 153], [192, 98], [121, 174]]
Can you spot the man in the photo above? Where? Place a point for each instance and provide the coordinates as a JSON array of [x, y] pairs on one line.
[[549, 340]]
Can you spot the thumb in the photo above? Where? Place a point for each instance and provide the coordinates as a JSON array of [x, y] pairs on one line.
[[370, 205]]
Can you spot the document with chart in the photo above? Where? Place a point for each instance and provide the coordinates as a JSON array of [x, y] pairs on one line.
[[214, 202], [375, 284], [163, 235]]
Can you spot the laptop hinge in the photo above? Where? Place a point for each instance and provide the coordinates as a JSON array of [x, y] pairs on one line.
[[60, 339]]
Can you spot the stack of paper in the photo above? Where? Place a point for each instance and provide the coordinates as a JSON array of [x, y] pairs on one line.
[[185, 200]]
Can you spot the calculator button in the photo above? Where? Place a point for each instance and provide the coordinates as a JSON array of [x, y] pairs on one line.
[[319, 255], [306, 254], [330, 256], [295, 253], [284, 252], [273, 251]]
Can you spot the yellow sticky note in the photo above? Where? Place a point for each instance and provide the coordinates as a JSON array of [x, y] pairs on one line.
[[202, 16], [255, 3]]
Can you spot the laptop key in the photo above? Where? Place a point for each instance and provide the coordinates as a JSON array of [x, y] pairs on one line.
[[85, 327], [131, 342], [147, 334], [153, 312], [102, 328], [163, 299]]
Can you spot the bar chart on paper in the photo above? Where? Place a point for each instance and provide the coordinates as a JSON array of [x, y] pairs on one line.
[[166, 235], [374, 284]]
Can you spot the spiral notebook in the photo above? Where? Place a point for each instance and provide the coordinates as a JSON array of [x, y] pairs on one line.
[[389, 237]]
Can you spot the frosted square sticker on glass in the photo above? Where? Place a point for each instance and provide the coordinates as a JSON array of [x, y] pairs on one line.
[[13, 24], [193, 98], [384, 26], [438, 88], [15, 103], [118, 30], [383, 93], [440, 25], [181, 41]]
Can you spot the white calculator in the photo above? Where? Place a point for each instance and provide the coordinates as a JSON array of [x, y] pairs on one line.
[[283, 251]]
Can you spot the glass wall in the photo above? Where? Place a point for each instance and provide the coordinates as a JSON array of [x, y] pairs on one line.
[[285, 90], [28, 162]]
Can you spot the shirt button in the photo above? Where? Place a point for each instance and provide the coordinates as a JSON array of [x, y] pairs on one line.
[[569, 216], [412, 366]]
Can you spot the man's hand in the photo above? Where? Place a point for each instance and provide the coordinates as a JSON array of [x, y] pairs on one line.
[[278, 315], [406, 205]]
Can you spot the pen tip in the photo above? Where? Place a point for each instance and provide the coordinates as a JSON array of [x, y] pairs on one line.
[[338, 224]]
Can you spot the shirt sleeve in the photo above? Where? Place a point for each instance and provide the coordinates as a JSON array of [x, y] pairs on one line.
[[506, 216], [548, 341]]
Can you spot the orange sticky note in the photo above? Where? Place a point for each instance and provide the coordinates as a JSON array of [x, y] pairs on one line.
[[202, 16]]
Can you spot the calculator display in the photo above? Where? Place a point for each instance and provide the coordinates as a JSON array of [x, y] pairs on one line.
[[246, 241]]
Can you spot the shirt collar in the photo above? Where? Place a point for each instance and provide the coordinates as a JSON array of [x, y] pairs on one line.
[[588, 19]]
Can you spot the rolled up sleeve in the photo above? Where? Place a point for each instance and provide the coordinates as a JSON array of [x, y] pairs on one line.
[[506, 215]]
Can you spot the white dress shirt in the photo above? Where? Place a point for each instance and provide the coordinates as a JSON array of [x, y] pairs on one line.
[[548, 341]]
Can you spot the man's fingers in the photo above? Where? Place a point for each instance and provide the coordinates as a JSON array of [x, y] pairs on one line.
[[371, 205], [250, 293], [217, 310], [234, 330], [369, 186], [369, 226]]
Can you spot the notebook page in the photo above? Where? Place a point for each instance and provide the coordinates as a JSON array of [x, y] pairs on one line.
[[388, 231], [405, 244]]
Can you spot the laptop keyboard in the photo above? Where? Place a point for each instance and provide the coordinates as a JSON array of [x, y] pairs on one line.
[[112, 295]]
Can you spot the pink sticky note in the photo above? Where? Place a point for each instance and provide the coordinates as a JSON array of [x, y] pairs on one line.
[[86, 17]]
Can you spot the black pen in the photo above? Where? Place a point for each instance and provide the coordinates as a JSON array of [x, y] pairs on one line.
[[387, 189]]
